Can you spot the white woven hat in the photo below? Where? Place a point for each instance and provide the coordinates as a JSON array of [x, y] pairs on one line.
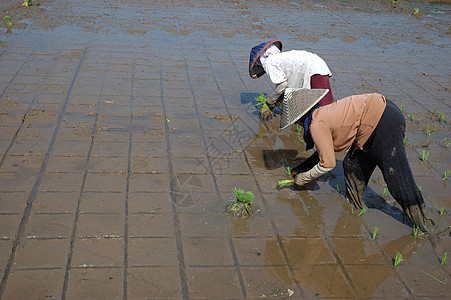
[[296, 102]]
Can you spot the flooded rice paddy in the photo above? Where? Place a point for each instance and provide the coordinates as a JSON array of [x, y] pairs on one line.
[[126, 125]]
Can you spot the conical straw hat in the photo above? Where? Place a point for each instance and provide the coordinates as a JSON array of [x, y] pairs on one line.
[[255, 68], [297, 102]]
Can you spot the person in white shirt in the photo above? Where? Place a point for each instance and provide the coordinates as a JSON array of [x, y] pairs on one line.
[[290, 69]]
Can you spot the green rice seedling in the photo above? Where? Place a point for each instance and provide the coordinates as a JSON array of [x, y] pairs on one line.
[[339, 188], [441, 117], [443, 262], [419, 188], [363, 211], [416, 232], [405, 140], [435, 110], [424, 155], [394, 2], [262, 101], [402, 108], [298, 130], [26, 3], [398, 259], [288, 170], [446, 174], [428, 130], [410, 115], [442, 210], [416, 11], [326, 176], [446, 142], [434, 278], [241, 206], [385, 192], [376, 230], [8, 21], [284, 182]]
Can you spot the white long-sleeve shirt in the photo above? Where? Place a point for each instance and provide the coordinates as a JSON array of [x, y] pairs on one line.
[[295, 67]]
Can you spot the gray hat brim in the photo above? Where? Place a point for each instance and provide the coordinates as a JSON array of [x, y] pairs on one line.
[[296, 102]]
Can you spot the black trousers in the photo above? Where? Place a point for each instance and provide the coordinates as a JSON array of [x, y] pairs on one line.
[[385, 149]]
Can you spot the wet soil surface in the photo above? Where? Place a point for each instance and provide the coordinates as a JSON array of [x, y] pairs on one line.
[[125, 126]]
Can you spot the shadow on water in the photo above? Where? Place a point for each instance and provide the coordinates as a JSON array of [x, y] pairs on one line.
[[326, 245], [371, 198], [275, 159], [327, 249]]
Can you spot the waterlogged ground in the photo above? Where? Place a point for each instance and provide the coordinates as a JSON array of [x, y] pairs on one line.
[[125, 126]]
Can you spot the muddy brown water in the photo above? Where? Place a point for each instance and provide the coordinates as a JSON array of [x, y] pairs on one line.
[[126, 125]]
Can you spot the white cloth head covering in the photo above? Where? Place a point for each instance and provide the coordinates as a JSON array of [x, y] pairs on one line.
[[271, 50]]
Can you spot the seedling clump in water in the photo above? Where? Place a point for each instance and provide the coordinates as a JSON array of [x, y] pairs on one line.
[[446, 174], [26, 3], [398, 259], [284, 182], [241, 206], [416, 232], [262, 101], [444, 258], [8, 21]]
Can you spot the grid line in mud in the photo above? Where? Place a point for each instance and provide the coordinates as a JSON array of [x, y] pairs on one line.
[[15, 75], [274, 228], [176, 222], [210, 169], [80, 196], [2, 161], [127, 188], [34, 191]]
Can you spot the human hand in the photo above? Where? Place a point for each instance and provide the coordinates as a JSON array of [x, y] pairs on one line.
[[301, 180]]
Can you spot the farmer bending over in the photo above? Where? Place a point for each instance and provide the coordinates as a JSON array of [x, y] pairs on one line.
[[291, 69], [373, 130]]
